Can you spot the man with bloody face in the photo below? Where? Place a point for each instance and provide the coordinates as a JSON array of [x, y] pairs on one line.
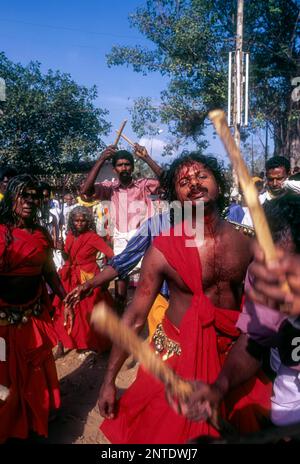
[[198, 330]]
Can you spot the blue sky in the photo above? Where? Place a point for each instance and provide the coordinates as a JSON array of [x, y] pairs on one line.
[[74, 36]]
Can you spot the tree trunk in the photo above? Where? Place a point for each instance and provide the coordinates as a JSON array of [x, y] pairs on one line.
[[293, 135]]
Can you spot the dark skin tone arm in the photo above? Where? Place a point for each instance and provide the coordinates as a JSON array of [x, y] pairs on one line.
[[88, 187], [135, 317], [143, 154], [53, 280], [80, 292]]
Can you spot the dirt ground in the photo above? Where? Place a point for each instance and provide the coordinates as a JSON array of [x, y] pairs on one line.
[[80, 379]]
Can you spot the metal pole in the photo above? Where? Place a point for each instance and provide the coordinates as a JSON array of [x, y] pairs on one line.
[[238, 73], [246, 90], [266, 145], [229, 89], [238, 70]]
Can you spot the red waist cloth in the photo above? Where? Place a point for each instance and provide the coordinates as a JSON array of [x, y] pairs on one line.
[[205, 335], [30, 374], [144, 415]]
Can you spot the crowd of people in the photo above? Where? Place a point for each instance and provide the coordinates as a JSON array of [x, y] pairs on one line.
[[216, 312]]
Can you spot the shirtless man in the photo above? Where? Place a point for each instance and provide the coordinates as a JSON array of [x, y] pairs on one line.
[[270, 319], [199, 280]]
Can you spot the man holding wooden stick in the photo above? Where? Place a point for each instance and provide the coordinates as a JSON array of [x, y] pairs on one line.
[[127, 197], [196, 334]]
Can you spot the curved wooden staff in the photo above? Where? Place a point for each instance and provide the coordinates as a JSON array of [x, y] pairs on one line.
[[105, 320], [261, 226], [119, 132]]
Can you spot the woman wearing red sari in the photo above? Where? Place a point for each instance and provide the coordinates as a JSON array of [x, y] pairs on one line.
[[81, 248], [27, 336]]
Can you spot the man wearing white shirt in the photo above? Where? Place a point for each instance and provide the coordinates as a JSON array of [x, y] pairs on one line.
[[277, 171]]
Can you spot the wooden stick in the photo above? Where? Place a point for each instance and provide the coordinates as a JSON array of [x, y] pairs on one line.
[[105, 320], [120, 132], [4, 393], [260, 223], [126, 138]]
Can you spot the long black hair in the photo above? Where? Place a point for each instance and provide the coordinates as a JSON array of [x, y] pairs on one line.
[[283, 215], [87, 214], [15, 187]]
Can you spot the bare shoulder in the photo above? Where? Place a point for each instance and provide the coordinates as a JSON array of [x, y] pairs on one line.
[[238, 239]]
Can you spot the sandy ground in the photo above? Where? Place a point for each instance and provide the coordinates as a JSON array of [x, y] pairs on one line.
[[80, 379]]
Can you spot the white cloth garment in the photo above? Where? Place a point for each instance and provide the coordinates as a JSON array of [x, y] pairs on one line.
[[285, 402]]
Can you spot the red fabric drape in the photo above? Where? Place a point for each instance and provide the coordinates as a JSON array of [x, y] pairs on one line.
[[82, 251], [29, 369]]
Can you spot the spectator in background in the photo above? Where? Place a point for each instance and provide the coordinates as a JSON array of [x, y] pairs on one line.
[[277, 171], [122, 194], [293, 183], [82, 246]]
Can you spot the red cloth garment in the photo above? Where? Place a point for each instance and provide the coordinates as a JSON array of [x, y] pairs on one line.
[[80, 266], [205, 334], [26, 253], [29, 368]]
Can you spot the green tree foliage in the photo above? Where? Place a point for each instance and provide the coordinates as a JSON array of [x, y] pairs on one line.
[[191, 40], [47, 119]]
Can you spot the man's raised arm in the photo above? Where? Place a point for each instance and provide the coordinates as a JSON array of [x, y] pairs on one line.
[[89, 185], [143, 154]]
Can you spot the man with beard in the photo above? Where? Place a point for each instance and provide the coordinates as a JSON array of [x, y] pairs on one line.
[[205, 283], [129, 197]]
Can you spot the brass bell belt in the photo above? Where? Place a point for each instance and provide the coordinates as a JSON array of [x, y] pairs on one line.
[[16, 315], [162, 343]]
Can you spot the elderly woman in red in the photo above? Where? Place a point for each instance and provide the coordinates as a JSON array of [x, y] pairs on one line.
[[81, 249], [27, 366]]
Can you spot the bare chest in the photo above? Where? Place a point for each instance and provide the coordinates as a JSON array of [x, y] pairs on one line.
[[223, 261]]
